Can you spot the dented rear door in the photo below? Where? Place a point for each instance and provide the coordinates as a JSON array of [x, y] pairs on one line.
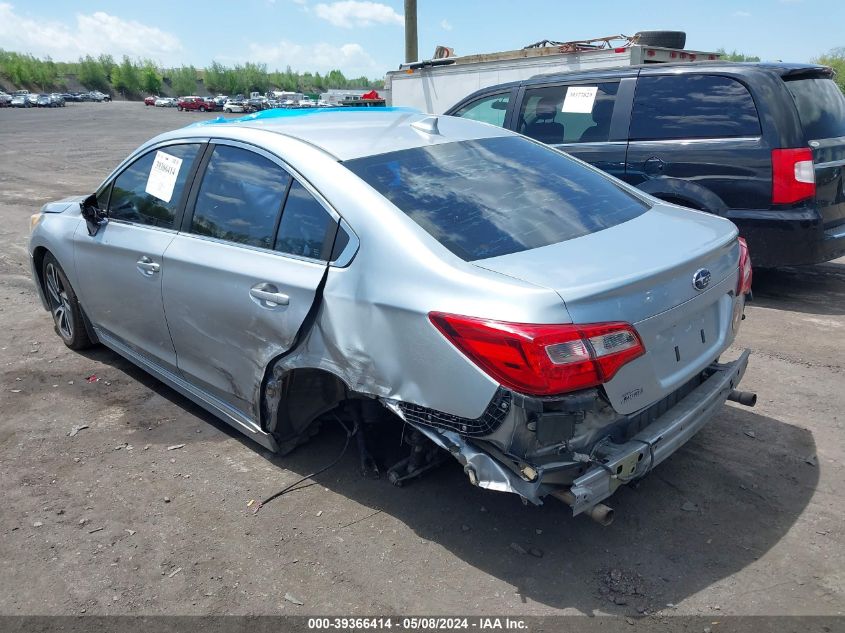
[[243, 274]]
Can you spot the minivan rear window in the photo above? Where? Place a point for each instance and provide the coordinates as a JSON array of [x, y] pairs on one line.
[[496, 196], [821, 107]]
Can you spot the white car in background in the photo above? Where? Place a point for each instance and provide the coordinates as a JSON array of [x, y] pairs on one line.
[[165, 102], [234, 105]]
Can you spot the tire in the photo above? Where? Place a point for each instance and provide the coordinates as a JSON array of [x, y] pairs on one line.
[[180, 108], [64, 306], [663, 39], [202, 108]]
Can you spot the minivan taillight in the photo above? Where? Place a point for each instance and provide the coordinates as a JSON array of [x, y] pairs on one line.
[[542, 360], [743, 286], [793, 175]]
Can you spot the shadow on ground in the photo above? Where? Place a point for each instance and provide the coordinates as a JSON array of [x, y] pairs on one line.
[[720, 503], [810, 289]]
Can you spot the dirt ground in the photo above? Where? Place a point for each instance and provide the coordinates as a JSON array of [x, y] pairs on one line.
[[746, 519]]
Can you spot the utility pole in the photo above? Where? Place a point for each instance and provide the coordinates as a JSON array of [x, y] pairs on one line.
[[411, 53]]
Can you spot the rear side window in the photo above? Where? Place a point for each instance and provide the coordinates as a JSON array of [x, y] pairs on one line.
[[821, 107], [490, 109], [496, 196], [568, 114], [240, 197], [692, 106], [150, 190], [306, 228]]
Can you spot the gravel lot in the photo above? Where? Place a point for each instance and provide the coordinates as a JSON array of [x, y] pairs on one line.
[[746, 519]]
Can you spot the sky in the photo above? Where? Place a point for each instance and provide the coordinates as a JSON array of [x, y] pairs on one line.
[[366, 37]]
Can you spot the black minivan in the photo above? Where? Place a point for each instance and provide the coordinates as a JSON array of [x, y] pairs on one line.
[[762, 144]]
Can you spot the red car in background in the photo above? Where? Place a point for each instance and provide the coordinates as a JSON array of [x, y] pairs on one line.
[[150, 101], [202, 104]]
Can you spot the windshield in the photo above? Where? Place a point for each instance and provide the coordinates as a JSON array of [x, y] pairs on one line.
[[497, 196], [821, 107]]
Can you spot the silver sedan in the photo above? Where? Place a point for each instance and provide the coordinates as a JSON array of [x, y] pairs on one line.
[[554, 330]]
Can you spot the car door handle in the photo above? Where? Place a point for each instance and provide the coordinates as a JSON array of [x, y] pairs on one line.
[[654, 165], [147, 266], [268, 295]]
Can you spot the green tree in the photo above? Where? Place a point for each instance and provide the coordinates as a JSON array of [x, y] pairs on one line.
[[150, 78], [835, 59], [735, 56], [91, 74], [183, 80], [126, 77]]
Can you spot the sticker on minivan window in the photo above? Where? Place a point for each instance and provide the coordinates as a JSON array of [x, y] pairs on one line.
[[163, 176], [580, 99]]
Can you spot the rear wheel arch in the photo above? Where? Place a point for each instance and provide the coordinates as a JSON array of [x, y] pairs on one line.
[[685, 193], [293, 398]]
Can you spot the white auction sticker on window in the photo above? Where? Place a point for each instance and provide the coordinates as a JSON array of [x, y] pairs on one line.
[[163, 176], [580, 99]]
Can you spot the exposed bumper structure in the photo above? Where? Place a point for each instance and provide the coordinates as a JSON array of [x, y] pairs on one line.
[[614, 464], [625, 462]]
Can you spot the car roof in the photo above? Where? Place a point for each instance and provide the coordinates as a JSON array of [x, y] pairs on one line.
[[784, 69], [348, 133]]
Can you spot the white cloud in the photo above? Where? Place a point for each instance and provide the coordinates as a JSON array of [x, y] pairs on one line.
[[350, 13], [93, 34], [321, 57], [446, 25], [741, 14]]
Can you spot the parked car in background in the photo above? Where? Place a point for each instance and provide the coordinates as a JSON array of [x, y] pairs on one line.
[[553, 329], [33, 98], [211, 104], [5, 99], [44, 101], [151, 100], [256, 104], [165, 102], [57, 100], [192, 103], [762, 144], [98, 96], [20, 101], [234, 105]]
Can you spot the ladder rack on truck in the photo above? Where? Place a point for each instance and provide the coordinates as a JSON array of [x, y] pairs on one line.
[[435, 85]]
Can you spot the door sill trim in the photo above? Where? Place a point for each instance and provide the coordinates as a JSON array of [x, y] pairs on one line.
[[213, 405]]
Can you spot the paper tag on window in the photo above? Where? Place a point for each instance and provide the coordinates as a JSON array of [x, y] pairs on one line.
[[580, 99], [163, 176]]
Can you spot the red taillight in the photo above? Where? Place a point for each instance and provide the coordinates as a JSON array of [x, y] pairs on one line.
[[793, 175], [743, 286], [542, 360]]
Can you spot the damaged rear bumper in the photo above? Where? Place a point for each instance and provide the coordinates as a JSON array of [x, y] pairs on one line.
[[615, 464], [633, 459]]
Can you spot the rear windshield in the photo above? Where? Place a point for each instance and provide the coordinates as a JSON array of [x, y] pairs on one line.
[[821, 107], [497, 196]]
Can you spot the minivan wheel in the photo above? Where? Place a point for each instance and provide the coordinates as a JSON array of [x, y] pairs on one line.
[[663, 39], [64, 306]]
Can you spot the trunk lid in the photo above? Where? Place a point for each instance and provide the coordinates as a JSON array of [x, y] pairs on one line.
[[821, 109], [641, 272]]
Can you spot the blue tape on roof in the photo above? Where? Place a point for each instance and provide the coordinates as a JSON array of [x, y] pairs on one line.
[[281, 113]]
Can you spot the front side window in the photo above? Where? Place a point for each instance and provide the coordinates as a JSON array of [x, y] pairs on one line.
[[568, 114], [150, 190], [692, 106], [490, 109], [306, 227], [495, 196], [240, 197]]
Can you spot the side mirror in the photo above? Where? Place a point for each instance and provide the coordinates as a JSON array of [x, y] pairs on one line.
[[93, 215]]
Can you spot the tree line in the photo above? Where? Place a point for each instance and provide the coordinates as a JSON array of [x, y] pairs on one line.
[[133, 78]]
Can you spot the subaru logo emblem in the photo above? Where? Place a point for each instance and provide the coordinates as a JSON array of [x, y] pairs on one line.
[[701, 279]]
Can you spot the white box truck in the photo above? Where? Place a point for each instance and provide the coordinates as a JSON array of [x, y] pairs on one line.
[[437, 84]]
